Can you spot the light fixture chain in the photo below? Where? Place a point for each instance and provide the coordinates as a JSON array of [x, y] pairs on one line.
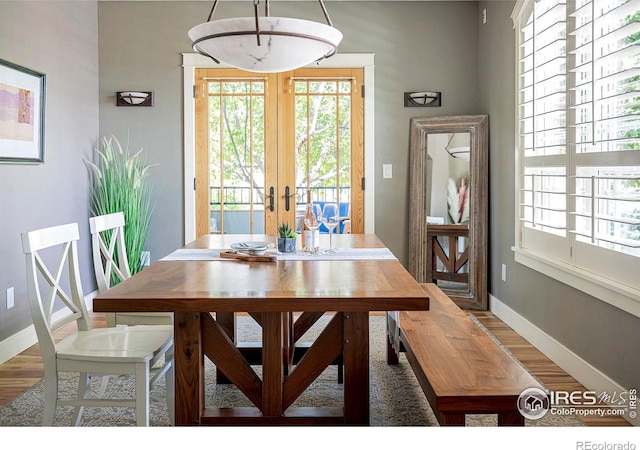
[[255, 12], [326, 13], [213, 10]]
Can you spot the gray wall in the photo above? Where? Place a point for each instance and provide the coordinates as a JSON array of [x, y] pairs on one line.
[[59, 39], [603, 335]]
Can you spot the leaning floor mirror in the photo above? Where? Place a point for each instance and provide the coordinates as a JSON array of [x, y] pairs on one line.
[[448, 202]]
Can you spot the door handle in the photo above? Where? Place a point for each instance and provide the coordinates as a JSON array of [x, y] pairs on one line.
[[287, 198], [271, 199]]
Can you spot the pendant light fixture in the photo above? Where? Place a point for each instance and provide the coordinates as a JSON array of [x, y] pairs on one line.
[[265, 43]]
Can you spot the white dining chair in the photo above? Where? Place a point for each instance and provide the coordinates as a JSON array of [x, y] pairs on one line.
[[144, 352], [110, 263]]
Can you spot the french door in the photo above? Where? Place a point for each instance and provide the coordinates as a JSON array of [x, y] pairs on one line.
[[264, 140]]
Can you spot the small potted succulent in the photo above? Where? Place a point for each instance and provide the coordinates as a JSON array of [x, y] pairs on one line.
[[286, 239]]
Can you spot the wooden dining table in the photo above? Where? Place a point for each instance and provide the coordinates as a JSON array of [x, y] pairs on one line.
[[205, 293]]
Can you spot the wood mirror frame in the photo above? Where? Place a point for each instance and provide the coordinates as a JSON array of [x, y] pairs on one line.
[[421, 253]]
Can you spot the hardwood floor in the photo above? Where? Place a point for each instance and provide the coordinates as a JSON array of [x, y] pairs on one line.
[[23, 371], [549, 373]]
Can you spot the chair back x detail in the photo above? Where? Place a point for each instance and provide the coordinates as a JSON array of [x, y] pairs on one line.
[[143, 352], [110, 261], [109, 251]]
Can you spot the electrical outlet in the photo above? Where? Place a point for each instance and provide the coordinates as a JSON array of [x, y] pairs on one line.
[[146, 258], [10, 299], [504, 272], [387, 171], [484, 16]]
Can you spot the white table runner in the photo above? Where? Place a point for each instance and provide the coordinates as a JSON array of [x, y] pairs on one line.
[[341, 254], [195, 254]]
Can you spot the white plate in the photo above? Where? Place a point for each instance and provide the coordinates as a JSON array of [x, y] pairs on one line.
[[252, 247]]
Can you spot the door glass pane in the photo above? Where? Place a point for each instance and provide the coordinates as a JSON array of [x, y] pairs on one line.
[[236, 154], [344, 157], [323, 144]]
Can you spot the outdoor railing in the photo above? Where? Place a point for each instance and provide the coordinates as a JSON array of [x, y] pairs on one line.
[[241, 196], [237, 200]]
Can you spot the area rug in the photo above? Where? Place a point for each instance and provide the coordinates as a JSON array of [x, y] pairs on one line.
[[396, 398]]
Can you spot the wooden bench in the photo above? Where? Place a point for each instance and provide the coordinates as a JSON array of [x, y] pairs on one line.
[[459, 367]]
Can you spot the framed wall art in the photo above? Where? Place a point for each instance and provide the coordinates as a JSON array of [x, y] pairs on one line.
[[22, 101]]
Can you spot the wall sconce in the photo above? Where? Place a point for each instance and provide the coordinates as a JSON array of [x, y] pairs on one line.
[[134, 98], [423, 98]]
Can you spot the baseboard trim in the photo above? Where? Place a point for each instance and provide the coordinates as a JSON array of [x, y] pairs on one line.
[[17, 343], [585, 373], [22, 340]]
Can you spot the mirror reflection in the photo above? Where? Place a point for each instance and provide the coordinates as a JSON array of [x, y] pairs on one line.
[[448, 203], [448, 206], [448, 198]]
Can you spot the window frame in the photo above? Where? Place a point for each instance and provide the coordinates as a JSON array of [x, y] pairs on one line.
[[606, 289], [191, 61]]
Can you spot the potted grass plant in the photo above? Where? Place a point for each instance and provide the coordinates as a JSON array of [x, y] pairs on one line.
[[120, 184], [286, 239]]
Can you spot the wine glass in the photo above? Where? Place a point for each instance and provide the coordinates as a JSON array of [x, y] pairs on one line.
[[330, 219], [313, 222]]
